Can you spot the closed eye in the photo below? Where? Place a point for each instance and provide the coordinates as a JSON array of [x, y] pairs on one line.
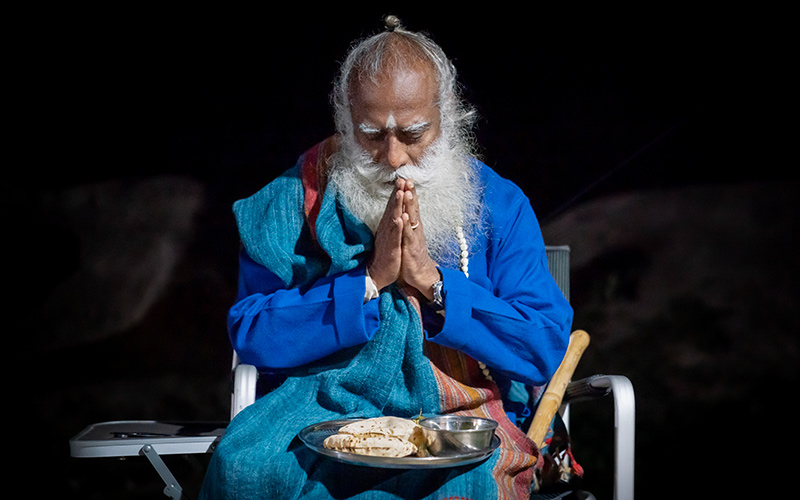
[[378, 136], [407, 135], [410, 137], [414, 133]]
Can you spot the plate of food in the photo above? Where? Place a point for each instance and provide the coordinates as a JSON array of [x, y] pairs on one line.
[[388, 442]]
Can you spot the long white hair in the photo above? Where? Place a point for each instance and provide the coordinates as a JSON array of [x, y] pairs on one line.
[[446, 177]]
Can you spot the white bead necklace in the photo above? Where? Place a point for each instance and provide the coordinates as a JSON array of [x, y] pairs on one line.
[[462, 241]]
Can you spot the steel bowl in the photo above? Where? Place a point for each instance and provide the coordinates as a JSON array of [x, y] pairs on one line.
[[457, 435]]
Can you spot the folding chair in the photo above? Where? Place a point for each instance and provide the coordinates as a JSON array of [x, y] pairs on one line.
[[154, 438]]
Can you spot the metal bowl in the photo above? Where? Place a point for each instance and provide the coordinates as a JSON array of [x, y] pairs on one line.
[[457, 435]]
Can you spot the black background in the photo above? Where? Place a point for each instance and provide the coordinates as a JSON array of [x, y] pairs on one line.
[[575, 105]]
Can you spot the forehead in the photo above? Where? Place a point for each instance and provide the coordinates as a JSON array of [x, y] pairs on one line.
[[406, 93]]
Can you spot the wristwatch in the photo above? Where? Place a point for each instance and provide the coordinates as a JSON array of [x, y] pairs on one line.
[[438, 297]]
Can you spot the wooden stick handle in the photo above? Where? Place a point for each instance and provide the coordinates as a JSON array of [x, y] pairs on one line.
[[551, 399]]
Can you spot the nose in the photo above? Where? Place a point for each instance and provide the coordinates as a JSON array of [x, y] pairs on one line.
[[395, 152]]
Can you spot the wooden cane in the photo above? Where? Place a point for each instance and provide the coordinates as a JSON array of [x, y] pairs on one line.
[[551, 399]]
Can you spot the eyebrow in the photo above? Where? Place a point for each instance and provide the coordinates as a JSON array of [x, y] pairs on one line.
[[368, 129], [416, 127]]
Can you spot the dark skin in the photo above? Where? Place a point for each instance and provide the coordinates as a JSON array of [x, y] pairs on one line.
[[396, 119]]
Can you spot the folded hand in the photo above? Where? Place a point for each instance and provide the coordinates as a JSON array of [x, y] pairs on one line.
[[401, 253]]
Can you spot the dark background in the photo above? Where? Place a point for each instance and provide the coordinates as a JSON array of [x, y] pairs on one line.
[[134, 131]]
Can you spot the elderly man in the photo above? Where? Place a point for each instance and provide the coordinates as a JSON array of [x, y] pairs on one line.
[[388, 273]]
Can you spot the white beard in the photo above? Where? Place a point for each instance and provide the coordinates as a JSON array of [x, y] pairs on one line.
[[446, 186]]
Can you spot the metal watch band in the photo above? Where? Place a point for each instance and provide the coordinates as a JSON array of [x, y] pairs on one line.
[[438, 299]]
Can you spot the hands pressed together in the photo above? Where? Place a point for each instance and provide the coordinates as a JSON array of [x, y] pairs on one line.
[[401, 253]]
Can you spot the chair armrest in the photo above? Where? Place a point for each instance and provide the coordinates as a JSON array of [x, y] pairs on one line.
[[244, 387], [585, 389], [624, 422]]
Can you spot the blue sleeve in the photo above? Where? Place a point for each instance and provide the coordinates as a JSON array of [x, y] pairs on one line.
[[509, 313], [275, 328]]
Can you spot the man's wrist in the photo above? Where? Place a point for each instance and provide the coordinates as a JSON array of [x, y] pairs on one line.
[[433, 286], [376, 280]]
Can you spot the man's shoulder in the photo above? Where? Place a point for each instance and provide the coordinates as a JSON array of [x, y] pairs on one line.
[[498, 188]]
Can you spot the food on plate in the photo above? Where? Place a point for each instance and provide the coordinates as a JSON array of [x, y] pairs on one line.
[[375, 446], [379, 437]]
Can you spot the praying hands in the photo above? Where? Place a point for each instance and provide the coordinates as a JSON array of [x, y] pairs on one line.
[[401, 253]]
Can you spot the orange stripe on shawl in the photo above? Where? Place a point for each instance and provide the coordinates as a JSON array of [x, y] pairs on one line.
[[464, 390]]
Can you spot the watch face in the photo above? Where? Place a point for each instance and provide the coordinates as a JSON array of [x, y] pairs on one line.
[[437, 293]]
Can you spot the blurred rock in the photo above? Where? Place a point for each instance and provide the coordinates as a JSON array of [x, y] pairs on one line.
[[126, 238], [691, 293], [717, 262]]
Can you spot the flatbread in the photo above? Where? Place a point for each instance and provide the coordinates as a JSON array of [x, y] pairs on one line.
[[375, 446], [402, 428], [380, 436]]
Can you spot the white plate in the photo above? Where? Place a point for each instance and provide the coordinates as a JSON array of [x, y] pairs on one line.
[[314, 435]]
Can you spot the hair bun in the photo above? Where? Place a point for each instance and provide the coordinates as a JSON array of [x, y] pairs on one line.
[[392, 23]]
